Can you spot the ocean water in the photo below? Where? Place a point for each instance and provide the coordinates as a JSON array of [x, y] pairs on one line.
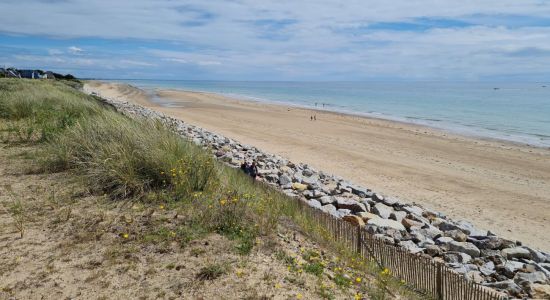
[[518, 112]]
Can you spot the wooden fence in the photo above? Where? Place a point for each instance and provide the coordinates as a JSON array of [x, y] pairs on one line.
[[420, 273]]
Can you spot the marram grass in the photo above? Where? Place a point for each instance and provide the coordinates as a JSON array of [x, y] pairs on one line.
[[139, 159]]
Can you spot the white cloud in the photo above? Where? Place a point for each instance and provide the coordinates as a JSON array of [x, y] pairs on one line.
[[314, 40]]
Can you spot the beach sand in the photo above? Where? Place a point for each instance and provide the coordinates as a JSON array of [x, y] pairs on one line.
[[499, 186]]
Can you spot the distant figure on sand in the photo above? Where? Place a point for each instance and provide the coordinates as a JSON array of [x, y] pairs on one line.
[[311, 118], [314, 117]]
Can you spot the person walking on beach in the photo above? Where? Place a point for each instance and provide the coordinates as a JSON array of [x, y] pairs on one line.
[[314, 117], [311, 118]]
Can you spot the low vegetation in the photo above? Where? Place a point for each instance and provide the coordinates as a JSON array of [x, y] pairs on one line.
[[176, 193]]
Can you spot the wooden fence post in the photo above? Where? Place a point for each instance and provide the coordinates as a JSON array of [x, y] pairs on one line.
[[359, 241], [439, 281]]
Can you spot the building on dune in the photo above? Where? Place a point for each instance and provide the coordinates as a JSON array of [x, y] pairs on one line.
[[48, 75], [30, 74]]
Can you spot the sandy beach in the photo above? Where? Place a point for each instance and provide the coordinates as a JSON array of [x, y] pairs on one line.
[[499, 186]]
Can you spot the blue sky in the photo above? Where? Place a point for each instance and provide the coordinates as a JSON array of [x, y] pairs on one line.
[[280, 40]]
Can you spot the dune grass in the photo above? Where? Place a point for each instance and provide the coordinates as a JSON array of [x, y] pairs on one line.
[[142, 160]]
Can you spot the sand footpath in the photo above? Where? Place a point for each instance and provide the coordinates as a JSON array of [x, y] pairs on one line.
[[499, 186]]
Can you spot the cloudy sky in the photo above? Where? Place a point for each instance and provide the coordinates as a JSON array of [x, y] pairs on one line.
[[280, 40]]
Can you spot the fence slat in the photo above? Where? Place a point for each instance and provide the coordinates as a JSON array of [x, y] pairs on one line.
[[421, 273]]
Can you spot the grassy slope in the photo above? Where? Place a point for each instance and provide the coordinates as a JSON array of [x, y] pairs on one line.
[[170, 197]]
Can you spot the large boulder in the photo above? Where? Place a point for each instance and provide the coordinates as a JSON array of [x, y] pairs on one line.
[[354, 206], [408, 223], [386, 223], [299, 187], [314, 203], [367, 215], [411, 246], [382, 210], [516, 252], [508, 285], [489, 242], [398, 215], [326, 200], [284, 179], [457, 257], [457, 235], [330, 209], [526, 280], [464, 247], [413, 209], [359, 191]]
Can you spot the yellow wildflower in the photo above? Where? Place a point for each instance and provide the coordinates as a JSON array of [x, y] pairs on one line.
[[358, 279], [299, 296], [278, 286], [173, 234], [161, 206], [358, 296], [125, 236], [239, 273], [222, 202]]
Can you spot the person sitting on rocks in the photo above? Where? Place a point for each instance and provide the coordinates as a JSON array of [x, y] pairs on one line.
[[253, 170], [245, 168]]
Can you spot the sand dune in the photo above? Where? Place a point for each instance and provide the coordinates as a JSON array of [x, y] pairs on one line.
[[499, 186]]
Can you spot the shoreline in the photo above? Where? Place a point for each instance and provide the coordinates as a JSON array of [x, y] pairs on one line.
[[440, 131], [497, 185], [480, 133]]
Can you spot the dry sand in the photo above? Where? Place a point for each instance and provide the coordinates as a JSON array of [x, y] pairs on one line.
[[500, 186]]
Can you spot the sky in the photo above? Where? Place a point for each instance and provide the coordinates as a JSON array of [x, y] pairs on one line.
[[321, 40]]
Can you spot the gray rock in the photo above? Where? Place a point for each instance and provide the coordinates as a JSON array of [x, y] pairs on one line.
[[516, 252], [307, 172], [474, 276], [510, 268], [343, 212], [508, 285], [415, 210], [382, 210], [489, 242], [378, 197], [398, 215], [330, 209], [457, 257], [385, 223], [310, 180], [444, 240], [411, 246], [527, 279], [385, 238], [390, 201], [284, 179], [469, 229], [457, 235], [359, 191], [433, 250], [314, 203], [488, 268], [464, 247], [326, 200], [354, 206]]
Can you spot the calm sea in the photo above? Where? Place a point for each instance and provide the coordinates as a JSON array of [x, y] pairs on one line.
[[517, 112]]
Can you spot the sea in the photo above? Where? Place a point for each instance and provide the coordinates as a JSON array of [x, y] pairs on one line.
[[517, 112]]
